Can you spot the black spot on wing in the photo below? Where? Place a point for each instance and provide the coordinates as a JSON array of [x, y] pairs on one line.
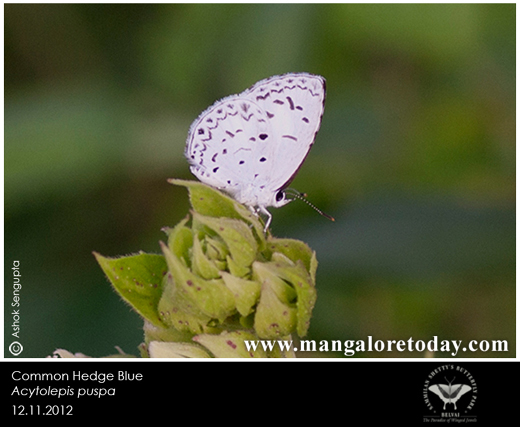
[[260, 97]]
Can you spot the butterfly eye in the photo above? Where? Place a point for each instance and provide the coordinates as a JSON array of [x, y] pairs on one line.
[[280, 196]]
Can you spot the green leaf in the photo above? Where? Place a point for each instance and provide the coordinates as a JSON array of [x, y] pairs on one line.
[[208, 201], [303, 284], [180, 240], [313, 267], [236, 235], [177, 310], [216, 249], [246, 292], [276, 314], [209, 297], [265, 272], [159, 333], [293, 249], [201, 265], [236, 269], [138, 279]]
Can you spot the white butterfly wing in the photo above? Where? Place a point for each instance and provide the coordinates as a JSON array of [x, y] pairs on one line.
[[252, 144], [460, 389], [436, 388], [225, 144], [294, 104]]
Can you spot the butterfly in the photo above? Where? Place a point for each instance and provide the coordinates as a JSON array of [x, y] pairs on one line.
[[251, 145], [449, 393]]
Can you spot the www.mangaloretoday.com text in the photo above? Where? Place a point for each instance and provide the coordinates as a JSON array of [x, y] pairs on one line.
[[351, 347]]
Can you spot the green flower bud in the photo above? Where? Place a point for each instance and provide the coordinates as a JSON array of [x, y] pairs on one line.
[[218, 282]]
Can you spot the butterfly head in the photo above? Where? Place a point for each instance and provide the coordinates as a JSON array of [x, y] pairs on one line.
[[280, 199]]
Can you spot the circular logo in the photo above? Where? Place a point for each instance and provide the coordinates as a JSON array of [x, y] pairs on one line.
[[450, 391], [15, 348]]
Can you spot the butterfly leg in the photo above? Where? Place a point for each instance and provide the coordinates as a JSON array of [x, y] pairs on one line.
[[268, 214]]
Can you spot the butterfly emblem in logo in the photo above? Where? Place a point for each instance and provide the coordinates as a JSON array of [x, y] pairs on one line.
[[450, 393]]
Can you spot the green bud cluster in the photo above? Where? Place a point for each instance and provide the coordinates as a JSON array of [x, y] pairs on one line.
[[219, 281]]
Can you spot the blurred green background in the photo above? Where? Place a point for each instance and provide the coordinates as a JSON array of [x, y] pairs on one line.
[[415, 159]]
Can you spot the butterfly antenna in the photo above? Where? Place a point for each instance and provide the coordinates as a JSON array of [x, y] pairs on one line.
[[302, 196]]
